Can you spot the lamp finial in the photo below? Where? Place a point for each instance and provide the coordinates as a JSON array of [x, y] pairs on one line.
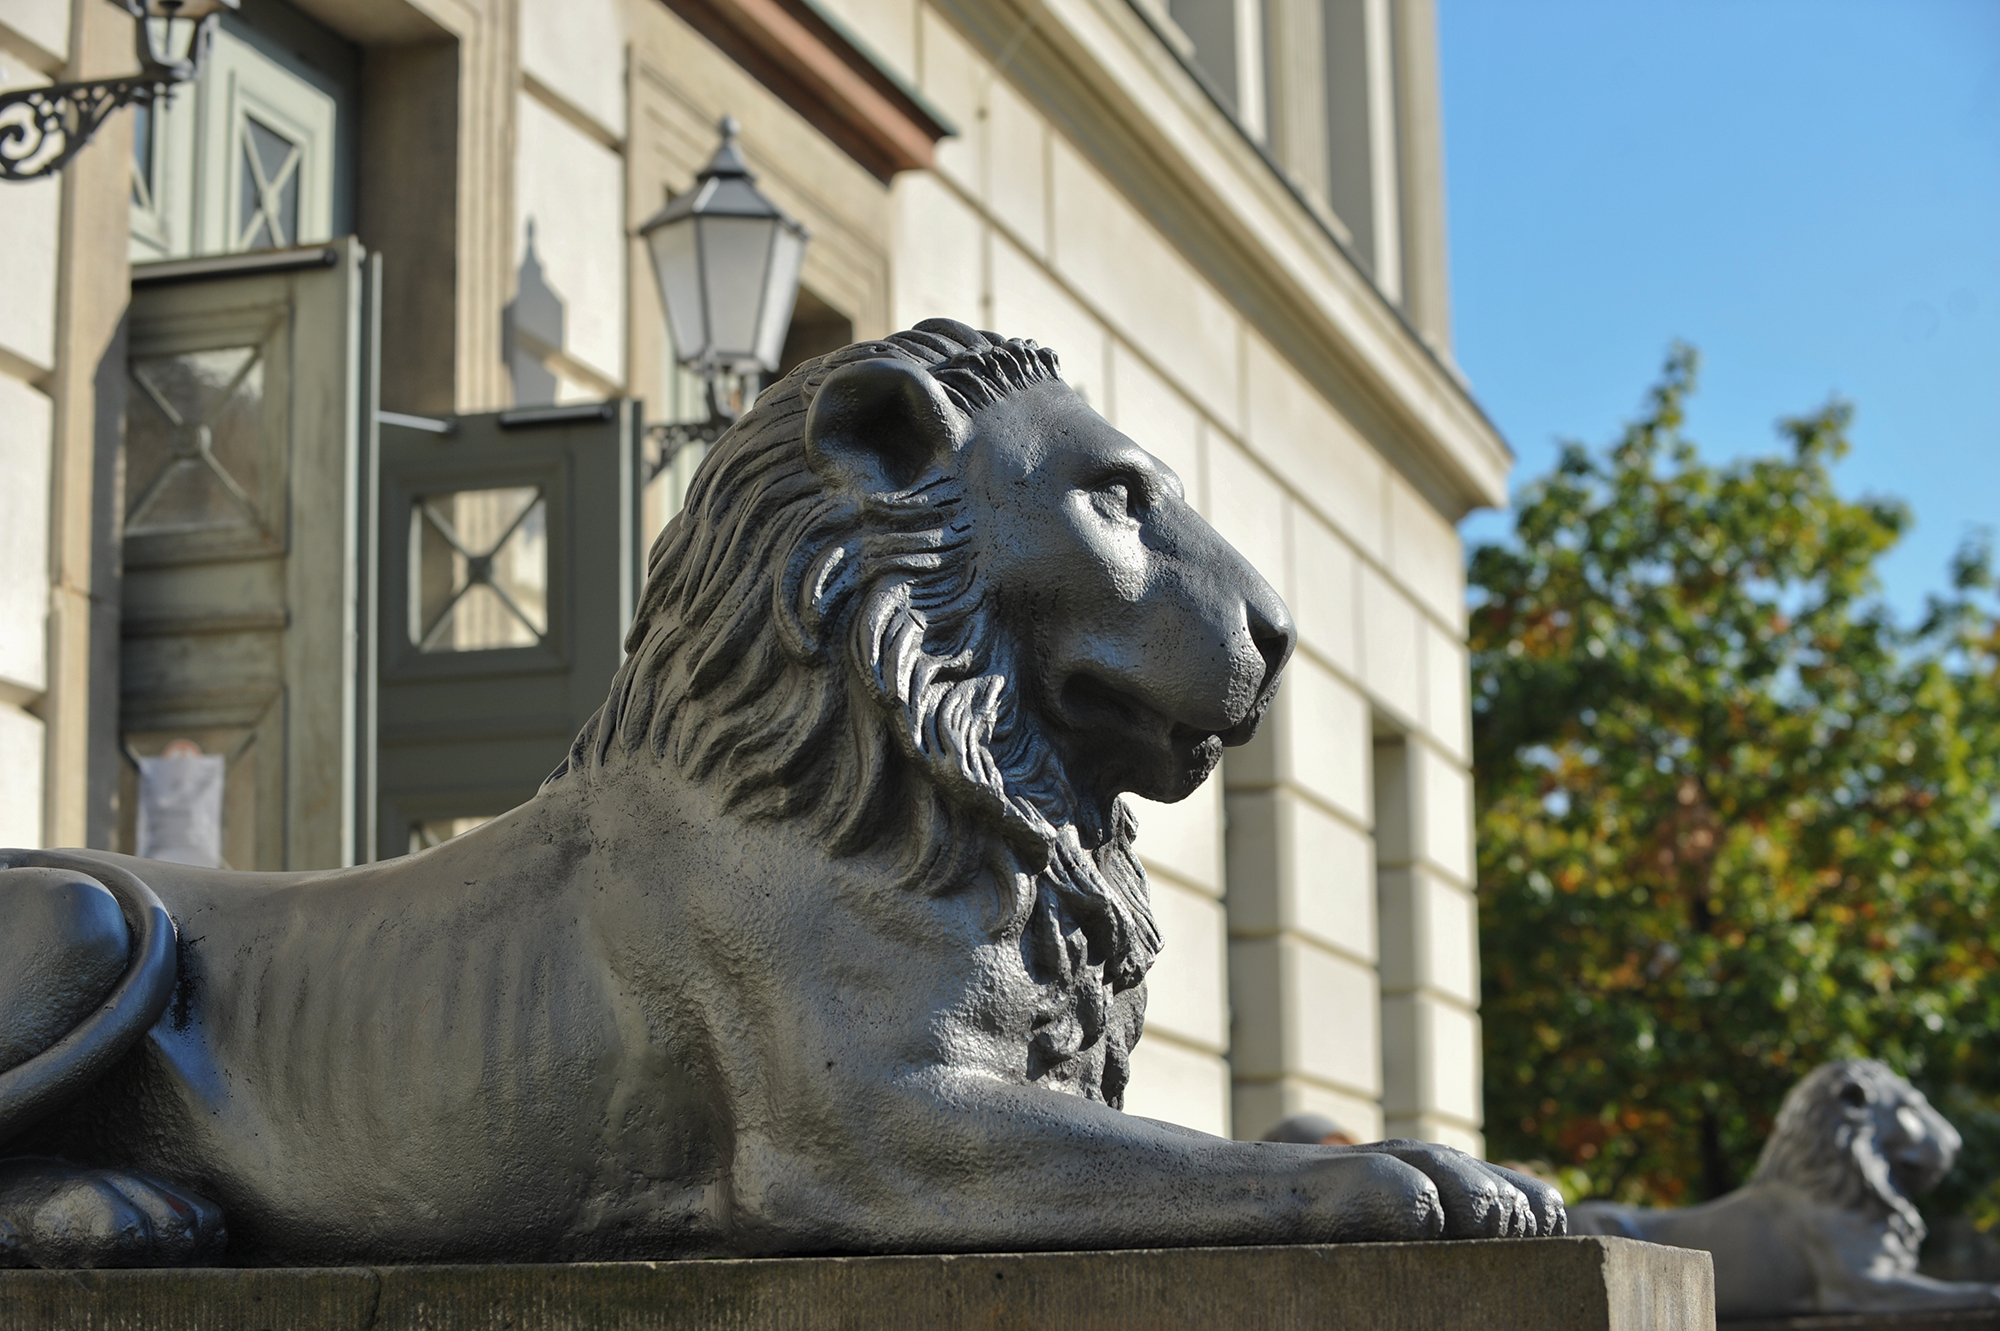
[[728, 161]]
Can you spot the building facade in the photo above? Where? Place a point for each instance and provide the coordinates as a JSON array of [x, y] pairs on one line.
[[1225, 215]]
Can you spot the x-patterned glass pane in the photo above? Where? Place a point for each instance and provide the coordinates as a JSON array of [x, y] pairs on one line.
[[194, 448], [479, 570], [268, 208], [251, 233]]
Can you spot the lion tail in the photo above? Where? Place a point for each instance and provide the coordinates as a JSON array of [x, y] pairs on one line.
[[87, 965]]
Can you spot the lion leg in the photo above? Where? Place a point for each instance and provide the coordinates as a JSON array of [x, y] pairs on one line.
[[56, 1214]]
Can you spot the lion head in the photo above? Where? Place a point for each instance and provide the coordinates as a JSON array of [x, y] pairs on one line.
[[1858, 1136], [922, 599]]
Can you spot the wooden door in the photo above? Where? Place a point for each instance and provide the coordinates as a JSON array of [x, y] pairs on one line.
[[246, 597]]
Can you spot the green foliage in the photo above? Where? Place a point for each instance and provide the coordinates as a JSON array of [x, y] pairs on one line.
[[1734, 821]]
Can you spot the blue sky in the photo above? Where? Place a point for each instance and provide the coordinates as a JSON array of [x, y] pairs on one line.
[[1807, 190]]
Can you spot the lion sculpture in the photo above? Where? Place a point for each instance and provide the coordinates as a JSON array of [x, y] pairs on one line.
[[828, 935], [1825, 1225]]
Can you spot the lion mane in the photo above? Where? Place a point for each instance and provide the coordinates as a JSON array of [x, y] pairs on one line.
[[1834, 1138], [836, 660]]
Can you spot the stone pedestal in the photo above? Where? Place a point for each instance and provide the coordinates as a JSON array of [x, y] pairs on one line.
[[1582, 1284], [1981, 1320]]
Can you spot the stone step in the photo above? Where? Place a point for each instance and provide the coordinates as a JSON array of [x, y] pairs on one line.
[[1984, 1319], [1580, 1284]]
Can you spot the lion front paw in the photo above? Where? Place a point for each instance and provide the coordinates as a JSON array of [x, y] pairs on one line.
[[1480, 1200], [56, 1214]]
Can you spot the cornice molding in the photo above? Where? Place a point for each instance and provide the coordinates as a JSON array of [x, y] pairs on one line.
[[1122, 94], [810, 61]]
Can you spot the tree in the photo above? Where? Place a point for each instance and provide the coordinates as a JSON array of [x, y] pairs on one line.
[[1733, 820]]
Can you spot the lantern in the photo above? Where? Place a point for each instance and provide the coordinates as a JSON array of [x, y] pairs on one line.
[[727, 262]]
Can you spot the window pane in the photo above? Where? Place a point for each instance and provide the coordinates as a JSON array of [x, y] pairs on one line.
[[479, 570], [273, 149], [250, 230], [193, 440], [142, 155], [268, 212]]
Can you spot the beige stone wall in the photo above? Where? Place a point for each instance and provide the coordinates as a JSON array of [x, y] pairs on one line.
[[34, 48]]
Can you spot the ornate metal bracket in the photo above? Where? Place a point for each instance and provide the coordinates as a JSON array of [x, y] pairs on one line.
[[65, 115], [673, 436], [41, 129]]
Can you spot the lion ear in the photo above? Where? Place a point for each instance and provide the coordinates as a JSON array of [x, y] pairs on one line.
[[880, 425]]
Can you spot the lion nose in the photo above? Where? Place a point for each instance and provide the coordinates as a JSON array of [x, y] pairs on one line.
[[1272, 630]]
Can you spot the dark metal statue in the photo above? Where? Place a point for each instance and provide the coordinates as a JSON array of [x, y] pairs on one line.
[[1826, 1224], [828, 936]]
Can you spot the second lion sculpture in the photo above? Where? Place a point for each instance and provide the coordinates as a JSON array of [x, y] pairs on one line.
[[828, 935], [1826, 1224]]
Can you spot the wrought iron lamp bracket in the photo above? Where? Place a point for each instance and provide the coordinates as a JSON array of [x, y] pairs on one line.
[[67, 115], [673, 436]]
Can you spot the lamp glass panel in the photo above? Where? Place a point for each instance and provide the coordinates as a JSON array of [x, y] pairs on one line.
[[677, 269], [142, 155], [735, 255], [781, 291], [169, 39]]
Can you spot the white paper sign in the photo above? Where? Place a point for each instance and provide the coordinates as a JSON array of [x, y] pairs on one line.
[[180, 806]]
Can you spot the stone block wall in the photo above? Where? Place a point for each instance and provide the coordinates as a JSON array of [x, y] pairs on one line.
[[34, 48], [565, 323]]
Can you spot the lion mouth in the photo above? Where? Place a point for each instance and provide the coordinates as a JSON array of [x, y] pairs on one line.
[[1135, 747], [1090, 704]]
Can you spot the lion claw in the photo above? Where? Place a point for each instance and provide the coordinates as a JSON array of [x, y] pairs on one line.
[[1481, 1200], [58, 1215]]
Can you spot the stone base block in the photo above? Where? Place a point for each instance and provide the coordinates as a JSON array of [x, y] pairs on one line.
[[1985, 1319], [1581, 1284]]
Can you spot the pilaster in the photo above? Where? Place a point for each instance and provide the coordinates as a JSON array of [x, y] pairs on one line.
[[1361, 134], [1420, 143], [1304, 996], [1294, 44], [1429, 945], [87, 385]]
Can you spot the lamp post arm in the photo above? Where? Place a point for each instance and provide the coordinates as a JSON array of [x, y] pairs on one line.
[[66, 114], [41, 129], [673, 436]]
